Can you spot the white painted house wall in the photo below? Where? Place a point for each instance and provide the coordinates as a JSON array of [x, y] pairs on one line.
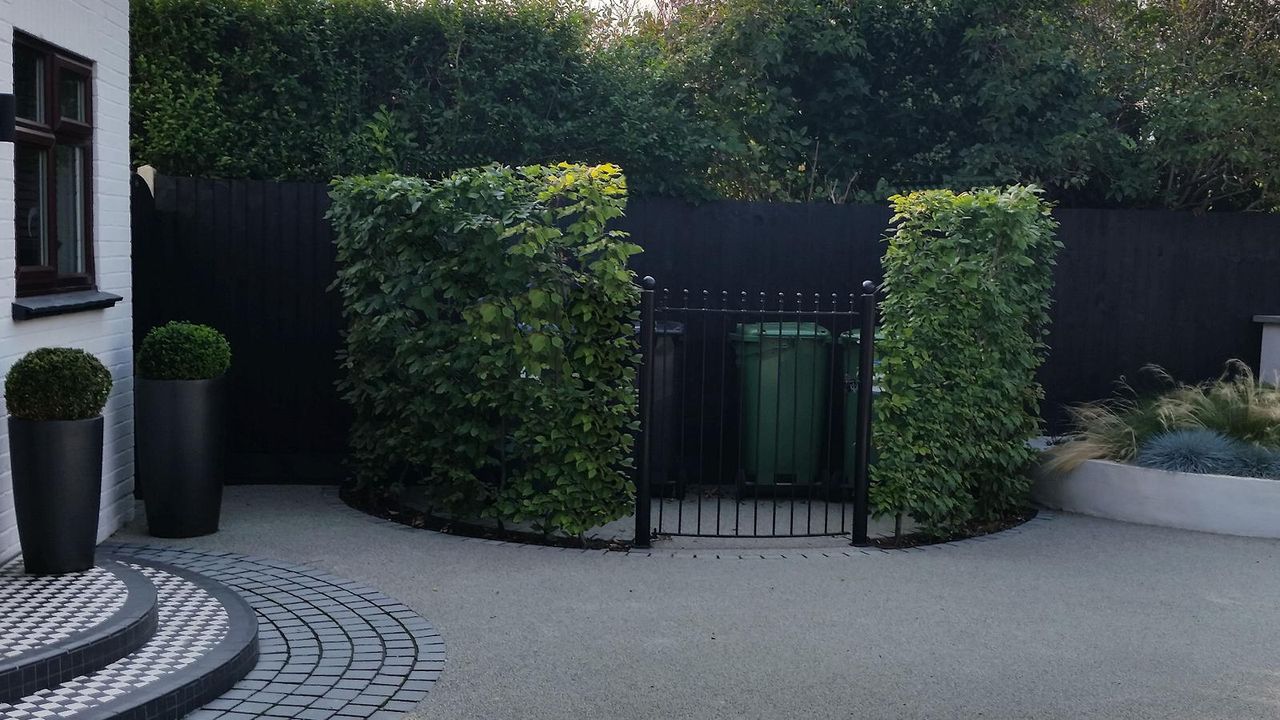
[[99, 31]]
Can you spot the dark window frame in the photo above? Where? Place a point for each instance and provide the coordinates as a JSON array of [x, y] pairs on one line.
[[45, 137]]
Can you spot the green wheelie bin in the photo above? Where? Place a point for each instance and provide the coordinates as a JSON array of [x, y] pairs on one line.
[[850, 351], [784, 368]]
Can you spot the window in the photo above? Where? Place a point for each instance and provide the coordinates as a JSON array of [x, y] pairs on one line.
[[52, 168]]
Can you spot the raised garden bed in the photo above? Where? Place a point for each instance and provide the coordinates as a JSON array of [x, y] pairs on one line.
[[1224, 504]]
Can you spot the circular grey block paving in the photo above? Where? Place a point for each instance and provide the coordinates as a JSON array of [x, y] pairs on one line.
[[328, 647]]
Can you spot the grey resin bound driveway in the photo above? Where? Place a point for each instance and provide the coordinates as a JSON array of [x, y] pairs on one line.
[[1070, 617]]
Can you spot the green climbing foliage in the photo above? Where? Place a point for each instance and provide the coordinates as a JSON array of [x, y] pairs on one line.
[[490, 355], [968, 278]]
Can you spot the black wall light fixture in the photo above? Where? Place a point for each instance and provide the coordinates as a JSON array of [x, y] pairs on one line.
[[7, 110]]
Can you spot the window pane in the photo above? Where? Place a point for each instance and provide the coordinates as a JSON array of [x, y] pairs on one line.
[[69, 187], [30, 174], [71, 88], [28, 83]]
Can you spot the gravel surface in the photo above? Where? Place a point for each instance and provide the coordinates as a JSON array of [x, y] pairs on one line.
[[1065, 617]]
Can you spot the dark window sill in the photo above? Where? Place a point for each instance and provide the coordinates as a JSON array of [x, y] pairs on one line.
[[38, 306]]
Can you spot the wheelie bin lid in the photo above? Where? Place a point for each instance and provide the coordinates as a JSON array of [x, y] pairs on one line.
[[853, 336], [753, 332], [664, 327]]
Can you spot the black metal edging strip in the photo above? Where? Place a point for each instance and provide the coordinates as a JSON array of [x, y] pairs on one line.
[[205, 679], [89, 650]]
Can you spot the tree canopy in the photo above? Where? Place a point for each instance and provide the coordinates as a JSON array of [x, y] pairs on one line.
[[1158, 103]]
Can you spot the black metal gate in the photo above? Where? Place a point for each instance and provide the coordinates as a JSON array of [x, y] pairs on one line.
[[755, 414]]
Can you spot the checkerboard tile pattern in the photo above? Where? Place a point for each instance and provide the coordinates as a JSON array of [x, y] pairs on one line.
[[56, 628], [191, 623], [38, 611], [329, 647]]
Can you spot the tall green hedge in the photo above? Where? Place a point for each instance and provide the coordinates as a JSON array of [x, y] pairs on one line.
[[310, 89], [489, 350], [968, 278]]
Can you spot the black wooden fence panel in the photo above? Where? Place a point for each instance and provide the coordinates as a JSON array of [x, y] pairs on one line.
[[255, 258], [1136, 287], [757, 247]]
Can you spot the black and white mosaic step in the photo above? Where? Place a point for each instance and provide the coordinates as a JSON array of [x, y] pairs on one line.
[[330, 647], [204, 638], [55, 628], [155, 633]]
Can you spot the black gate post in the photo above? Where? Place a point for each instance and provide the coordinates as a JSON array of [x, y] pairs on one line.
[[643, 450], [862, 446]]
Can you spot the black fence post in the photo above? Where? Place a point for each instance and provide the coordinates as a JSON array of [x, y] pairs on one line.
[[148, 272], [862, 443], [643, 450]]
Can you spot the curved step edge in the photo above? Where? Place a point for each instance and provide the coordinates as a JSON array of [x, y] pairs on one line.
[[89, 650], [206, 679]]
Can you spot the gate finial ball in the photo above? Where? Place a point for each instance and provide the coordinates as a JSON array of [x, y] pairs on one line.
[[648, 283]]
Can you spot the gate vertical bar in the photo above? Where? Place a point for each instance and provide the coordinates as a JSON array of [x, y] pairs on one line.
[[643, 450], [862, 444]]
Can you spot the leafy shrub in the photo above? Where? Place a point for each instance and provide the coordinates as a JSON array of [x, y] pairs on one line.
[[967, 282], [1236, 405], [489, 351], [57, 384], [1193, 451], [183, 351]]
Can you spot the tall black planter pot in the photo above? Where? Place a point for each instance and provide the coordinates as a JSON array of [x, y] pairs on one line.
[[179, 436], [57, 489]]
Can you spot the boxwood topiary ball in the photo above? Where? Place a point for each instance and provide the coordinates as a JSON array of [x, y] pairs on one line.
[[183, 351], [57, 384]]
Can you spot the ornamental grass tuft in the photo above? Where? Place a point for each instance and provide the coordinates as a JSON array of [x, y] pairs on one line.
[[1235, 406]]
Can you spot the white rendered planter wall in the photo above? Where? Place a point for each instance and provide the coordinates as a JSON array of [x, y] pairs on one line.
[[1209, 503]]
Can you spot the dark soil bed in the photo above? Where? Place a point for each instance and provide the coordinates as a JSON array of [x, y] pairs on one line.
[[972, 530], [391, 508]]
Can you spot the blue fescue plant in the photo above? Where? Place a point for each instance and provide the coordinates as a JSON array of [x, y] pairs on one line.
[[1209, 452]]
